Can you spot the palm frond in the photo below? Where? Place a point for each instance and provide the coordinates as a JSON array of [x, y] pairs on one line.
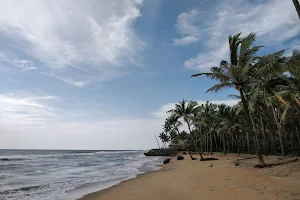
[[282, 100], [220, 86]]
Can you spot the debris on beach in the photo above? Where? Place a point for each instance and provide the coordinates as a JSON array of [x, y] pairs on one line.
[[180, 158], [167, 161]]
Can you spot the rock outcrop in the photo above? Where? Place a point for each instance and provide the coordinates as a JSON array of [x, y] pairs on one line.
[[161, 152], [180, 158]]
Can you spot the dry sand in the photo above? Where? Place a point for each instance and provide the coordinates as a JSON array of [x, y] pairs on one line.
[[195, 180]]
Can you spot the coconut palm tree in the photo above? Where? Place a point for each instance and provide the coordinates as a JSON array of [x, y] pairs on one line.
[[164, 138], [171, 126], [297, 6], [186, 111], [263, 92], [237, 74]]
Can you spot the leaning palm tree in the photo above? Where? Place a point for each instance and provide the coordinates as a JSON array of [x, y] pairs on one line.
[[206, 120], [171, 126], [290, 90], [263, 92], [297, 6], [185, 111], [237, 74], [164, 138]]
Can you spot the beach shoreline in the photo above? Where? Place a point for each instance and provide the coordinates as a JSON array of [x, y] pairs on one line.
[[188, 179], [94, 195]]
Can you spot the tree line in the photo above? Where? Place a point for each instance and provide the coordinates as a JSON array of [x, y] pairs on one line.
[[265, 121]]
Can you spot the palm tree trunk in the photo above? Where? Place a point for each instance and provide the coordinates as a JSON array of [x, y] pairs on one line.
[[157, 142], [211, 142], [202, 141], [232, 143], [256, 142], [238, 145], [200, 150], [215, 137], [197, 149], [208, 143], [242, 144], [297, 6], [298, 136], [278, 131], [192, 158], [263, 134], [224, 144], [291, 140], [272, 143], [248, 142], [261, 162], [227, 143]]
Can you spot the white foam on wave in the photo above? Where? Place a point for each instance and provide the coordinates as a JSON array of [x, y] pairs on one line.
[[77, 179]]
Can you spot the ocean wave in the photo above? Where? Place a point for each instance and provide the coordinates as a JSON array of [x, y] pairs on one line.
[[28, 188], [5, 159], [53, 175], [60, 155]]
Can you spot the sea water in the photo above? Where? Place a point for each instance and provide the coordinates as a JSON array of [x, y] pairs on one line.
[[67, 174]]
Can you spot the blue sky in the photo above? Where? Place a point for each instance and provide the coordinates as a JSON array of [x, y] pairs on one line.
[[101, 74]]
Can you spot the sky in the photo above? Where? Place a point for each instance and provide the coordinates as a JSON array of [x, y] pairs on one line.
[[100, 74]]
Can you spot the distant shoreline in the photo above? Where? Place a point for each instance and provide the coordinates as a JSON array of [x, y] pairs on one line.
[[71, 150]]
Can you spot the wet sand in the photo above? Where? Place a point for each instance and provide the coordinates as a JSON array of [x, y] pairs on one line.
[[195, 180]]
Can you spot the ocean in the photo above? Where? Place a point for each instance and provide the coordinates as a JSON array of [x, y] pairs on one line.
[[67, 174]]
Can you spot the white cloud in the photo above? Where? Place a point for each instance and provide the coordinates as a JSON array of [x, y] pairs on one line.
[[68, 81], [2, 57], [161, 113], [218, 102], [26, 65], [106, 134], [208, 59], [28, 121], [274, 21], [186, 27], [96, 37], [25, 110], [32, 121]]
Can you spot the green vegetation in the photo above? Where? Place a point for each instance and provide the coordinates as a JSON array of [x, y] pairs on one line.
[[265, 121], [161, 152]]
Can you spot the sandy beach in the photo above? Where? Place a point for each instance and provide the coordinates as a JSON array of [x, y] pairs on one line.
[[195, 180]]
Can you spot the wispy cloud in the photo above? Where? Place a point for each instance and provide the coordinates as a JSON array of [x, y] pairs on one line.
[[25, 110], [68, 81], [187, 29], [26, 65], [30, 118], [274, 22], [97, 37]]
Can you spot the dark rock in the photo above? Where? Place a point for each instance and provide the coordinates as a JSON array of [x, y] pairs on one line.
[[5, 159], [167, 161], [211, 165], [180, 158], [208, 159], [184, 153], [194, 158], [260, 166], [161, 152], [236, 164]]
